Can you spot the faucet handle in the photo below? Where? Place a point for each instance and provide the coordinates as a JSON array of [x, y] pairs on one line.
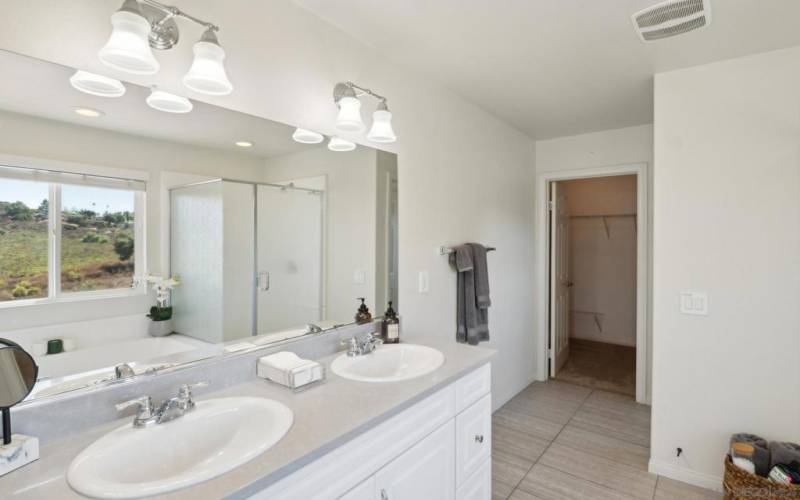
[[185, 390], [145, 404]]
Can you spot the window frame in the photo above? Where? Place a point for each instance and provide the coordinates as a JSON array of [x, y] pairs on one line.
[[54, 232]]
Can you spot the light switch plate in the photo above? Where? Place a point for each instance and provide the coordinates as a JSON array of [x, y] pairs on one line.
[[359, 276], [424, 282], [694, 303]]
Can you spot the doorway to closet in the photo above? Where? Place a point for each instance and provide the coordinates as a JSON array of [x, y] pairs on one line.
[[593, 235]]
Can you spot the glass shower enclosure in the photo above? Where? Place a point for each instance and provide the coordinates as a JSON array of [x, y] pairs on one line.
[[249, 257]]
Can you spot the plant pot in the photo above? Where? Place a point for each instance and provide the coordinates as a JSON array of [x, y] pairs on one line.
[[161, 328]]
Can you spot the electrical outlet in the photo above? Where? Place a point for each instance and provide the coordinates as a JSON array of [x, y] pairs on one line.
[[424, 282], [694, 303]]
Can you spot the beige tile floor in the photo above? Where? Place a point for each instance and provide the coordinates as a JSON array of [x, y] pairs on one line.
[[556, 440]]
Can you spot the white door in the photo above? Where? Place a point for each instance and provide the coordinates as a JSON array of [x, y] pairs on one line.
[[364, 491], [289, 258], [424, 472], [560, 283]]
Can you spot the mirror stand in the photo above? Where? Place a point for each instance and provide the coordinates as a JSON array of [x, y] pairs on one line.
[[19, 373], [6, 426]]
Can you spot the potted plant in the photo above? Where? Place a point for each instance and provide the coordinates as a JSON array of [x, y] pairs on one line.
[[161, 313]]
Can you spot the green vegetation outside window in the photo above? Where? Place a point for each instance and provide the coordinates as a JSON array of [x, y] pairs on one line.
[[74, 238]]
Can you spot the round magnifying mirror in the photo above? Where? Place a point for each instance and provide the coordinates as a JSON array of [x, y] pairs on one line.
[[18, 373]]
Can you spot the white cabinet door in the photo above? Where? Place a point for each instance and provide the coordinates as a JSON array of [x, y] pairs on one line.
[[473, 438], [364, 491], [425, 472], [479, 485]]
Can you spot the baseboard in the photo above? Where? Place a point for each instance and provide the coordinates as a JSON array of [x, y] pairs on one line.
[[685, 475]]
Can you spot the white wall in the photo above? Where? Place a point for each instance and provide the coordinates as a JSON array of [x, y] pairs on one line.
[[727, 206], [24, 135], [464, 174], [602, 258], [598, 149]]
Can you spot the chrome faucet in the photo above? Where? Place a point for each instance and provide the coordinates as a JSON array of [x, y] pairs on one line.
[[123, 371], [312, 328], [360, 345], [169, 409]]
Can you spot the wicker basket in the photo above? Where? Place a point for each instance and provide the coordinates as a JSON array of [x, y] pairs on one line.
[[741, 485]]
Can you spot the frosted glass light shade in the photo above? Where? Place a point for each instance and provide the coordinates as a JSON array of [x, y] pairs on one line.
[[169, 103], [349, 117], [99, 85], [127, 49], [338, 144], [381, 130], [305, 136], [207, 73]]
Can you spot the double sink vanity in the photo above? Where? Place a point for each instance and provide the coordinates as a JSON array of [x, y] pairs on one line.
[[405, 421]]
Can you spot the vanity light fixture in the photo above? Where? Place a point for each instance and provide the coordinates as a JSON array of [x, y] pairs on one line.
[[127, 49], [346, 95], [207, 73], [381, 130], [338, 144], [244, 144], [169, 103], [142, 25], [98, 85], [88, 112], [305, 136]]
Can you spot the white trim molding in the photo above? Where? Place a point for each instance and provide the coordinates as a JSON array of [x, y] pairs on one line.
[[684, 475], [542, 237]]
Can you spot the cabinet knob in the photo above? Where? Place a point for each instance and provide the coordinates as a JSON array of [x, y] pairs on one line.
[[478, 438], [384, 495]]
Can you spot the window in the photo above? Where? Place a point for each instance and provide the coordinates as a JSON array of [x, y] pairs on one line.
[[68, 236]]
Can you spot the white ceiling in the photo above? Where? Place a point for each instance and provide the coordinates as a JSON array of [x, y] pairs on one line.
[[554, 67], [208, 126]]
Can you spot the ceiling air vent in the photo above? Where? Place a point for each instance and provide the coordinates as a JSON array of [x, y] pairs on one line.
[[671, 18]]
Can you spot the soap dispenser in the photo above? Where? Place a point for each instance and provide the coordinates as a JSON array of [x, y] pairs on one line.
[[390, 326], [363, 315]]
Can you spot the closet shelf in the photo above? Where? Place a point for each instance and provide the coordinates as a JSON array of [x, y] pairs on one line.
[[605, 218]]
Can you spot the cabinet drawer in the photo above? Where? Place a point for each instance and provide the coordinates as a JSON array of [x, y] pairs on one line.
[[473, 386], [473, 438], [478, 486]]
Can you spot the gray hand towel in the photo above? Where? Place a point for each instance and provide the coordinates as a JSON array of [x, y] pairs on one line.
[[783, 453], [472, 321], [760, 451], [481, 276]]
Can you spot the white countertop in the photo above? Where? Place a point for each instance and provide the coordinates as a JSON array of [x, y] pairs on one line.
[[325, 417]]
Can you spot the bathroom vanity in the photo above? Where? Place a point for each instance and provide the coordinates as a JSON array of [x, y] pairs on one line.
[[425, 437]]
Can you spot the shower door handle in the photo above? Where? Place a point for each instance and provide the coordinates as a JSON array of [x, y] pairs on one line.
[[263, 281]]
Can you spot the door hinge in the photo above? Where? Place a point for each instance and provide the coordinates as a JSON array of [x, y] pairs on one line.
[[550, 353], [551, 205]]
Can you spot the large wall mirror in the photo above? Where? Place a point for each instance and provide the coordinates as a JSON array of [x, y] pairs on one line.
[[108, 199]]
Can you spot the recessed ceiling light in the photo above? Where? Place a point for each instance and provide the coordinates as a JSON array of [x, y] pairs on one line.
[[244, 144], [99, 85], [169, 103], [305, 136], [338, 144], [89, 112]]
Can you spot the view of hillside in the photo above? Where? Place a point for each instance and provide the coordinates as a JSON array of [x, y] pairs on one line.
[[96, 250]]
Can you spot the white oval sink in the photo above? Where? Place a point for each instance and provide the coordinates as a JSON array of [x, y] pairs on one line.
[[389, 363], [216, 437]]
